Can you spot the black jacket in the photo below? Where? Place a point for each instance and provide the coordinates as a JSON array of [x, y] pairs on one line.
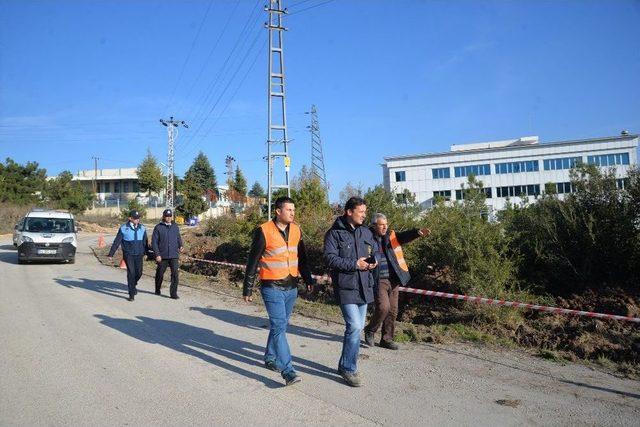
[[166, 240], [258, 246], [343, 246], [394, 267]]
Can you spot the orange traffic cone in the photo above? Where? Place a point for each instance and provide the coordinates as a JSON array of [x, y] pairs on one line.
[[101, 243], [123, 265]]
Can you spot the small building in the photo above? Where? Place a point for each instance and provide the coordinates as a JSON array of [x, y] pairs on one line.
[[110, 184], [508, 169]]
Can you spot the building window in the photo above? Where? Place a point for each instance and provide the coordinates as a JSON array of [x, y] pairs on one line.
[[561, 163], [125, 187], [401, 176], [401, 198], [487, 192], [441, 173], [564, 187], [609, 159], [445, 194], [472, 170], [106, 186], [518, 190], [517, 167], [116, 187], [136, 186], [622, 183]]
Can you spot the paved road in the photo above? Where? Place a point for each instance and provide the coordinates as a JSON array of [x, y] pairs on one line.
[[73, 351]]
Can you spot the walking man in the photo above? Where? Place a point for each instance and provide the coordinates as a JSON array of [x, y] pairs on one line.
[[278, 249], [392, 273], [167, 246], [349, 250], [133, 238]]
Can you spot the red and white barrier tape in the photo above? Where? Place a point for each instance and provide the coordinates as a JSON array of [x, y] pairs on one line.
[[478, 300]]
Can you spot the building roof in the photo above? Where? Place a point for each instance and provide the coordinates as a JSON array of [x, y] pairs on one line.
[[504, 146], [106, 174]]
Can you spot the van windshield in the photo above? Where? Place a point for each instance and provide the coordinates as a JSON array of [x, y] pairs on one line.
[[48, 225]]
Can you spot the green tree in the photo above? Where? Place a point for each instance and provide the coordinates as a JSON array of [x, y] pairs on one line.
[[193, 203], [21, 184], [150, 175], [239, 182], [64, 193], [401, 216], [201, 174], [257, 190], [133, 204], [349, 191]]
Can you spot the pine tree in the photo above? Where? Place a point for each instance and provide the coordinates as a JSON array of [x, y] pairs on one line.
[[150, 175], [257, 191], [201, 174], [240, 182]]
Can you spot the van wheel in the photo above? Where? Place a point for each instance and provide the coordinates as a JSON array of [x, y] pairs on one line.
[[72, 261], [21, 261]]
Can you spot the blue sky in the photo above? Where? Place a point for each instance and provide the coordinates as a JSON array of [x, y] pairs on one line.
[[92, 78]]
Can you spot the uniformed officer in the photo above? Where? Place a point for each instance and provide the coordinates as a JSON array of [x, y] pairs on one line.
[[133, 238], [278, 249]]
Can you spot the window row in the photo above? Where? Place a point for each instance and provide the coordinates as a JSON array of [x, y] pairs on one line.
[[472, 170], [518, 190], [517, 167], [609, 159], [561, 163], [124, 187], [487, 192]]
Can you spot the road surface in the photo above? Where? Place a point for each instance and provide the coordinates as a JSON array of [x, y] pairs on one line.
[[74, 351]]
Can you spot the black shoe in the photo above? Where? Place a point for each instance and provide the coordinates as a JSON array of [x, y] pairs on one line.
[[352, 379], [368, 338], [175, 297], [158, 293], [271, 365], [388, 345], [292, 378], [130, 298]]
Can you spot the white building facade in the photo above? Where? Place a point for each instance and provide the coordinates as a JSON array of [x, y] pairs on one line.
[[507, 169]]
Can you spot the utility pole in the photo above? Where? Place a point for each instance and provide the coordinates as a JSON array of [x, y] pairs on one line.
[[172, 132], [228, 161], [277, 106], [95, 173], [317, 154]]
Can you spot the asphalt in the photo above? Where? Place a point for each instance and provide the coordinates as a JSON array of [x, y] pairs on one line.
[[74, 351]]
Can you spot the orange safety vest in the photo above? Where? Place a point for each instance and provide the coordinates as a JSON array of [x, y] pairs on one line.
[[397, 249], [279, 259]]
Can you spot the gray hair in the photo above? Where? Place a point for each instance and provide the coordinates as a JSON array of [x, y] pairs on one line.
[[376, 217]]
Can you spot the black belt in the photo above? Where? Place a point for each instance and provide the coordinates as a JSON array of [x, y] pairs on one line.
[[279, 287]]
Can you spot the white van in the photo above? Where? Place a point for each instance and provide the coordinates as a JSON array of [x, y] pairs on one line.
[[47, 235]]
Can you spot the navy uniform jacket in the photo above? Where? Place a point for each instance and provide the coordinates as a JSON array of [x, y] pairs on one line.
[[166, 241], [133, 240], [343, 246]]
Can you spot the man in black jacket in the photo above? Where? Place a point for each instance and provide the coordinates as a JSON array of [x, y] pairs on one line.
[[167, 246], [392, 273], [349, 250]]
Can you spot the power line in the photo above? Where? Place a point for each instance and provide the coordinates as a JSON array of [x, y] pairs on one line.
[[310, 7]]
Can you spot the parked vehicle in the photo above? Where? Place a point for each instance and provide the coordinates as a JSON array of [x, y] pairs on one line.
[[47, 235], [16, 232]]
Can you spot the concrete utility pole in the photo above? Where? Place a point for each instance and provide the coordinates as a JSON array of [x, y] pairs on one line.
[[172, 132], [95, 173], [317, 154], [277, 106]]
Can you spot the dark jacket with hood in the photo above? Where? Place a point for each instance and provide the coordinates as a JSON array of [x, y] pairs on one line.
[[343, 246], [385, 247]]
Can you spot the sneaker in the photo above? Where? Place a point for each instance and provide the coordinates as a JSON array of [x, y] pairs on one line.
[[368, 338], [292, 378], [271, 365], [351, 378], [388, 345]]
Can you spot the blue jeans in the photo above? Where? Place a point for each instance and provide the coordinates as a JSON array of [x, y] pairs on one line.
[[354, 317], [279, 305]]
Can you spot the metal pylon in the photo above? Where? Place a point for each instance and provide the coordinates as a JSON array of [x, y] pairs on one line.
[[172, 132], [277, 108], [317, 154]]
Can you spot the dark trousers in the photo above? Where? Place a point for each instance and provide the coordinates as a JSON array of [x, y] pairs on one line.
[[161, 268], [386, 309], [134, 271]]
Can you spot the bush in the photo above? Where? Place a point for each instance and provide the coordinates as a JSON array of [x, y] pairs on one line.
[[133, 204]]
